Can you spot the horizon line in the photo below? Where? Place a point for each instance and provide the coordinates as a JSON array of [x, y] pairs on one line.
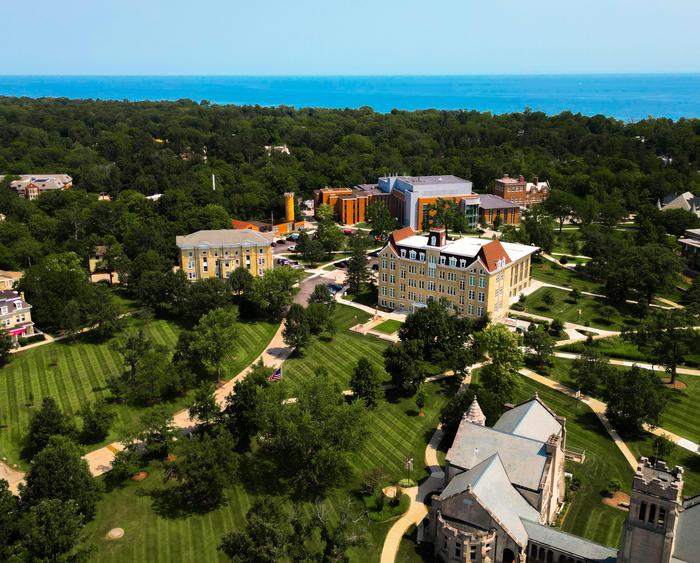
[[444, 75]]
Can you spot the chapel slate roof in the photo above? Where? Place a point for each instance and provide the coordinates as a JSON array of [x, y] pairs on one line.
[[687, 542], [491, 487], [568, 543], [524, 459], [532, 419]]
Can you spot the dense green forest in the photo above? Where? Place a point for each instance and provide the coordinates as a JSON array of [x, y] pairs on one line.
[[111, 147]]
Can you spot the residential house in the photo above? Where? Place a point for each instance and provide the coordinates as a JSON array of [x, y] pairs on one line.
[[8, 279], [15, 314], [476, 276], [207, 254], [31, 186]]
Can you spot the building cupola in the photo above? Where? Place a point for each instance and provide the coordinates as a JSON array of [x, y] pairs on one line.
[[475, 415], [437, 236]]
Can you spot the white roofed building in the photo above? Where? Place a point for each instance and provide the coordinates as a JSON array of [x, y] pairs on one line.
[[476, 276]]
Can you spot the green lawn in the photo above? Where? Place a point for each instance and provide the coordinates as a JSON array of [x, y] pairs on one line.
[[390, 326], [367, 296], [548, 272], [566, 309], [617, 347], [680, 414], [395, 432], [340, 354], [77, 373]]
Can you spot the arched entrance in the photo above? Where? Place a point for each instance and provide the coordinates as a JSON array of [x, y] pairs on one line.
[[508, 556]]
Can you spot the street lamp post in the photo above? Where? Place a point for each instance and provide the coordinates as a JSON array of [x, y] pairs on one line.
[[409, 467]]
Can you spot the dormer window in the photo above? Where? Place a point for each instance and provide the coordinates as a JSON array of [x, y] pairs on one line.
[[433, 240], [412, 255], [462, 263], [442, 260], [403, 253], [453, 261], [421, 257]]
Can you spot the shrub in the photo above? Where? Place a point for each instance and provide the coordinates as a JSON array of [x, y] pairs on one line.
[[564, 260], [614, 485], [24, 340]]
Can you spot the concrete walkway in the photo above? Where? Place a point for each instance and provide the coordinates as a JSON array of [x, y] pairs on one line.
[[629, 363], [598, 407], [417, 510]]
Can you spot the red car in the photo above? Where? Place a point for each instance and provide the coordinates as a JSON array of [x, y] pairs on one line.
[[347, 231]]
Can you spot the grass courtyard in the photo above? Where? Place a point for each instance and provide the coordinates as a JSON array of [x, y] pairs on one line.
[[594, 311], [76, 373], [395, 432], [390, 326]]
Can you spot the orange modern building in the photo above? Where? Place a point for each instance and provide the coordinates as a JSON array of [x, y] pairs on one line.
[[521, 192], [350, 204], [278, 229]]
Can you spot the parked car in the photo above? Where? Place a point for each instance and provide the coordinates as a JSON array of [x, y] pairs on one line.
[[347, 231], [281, 241], [341, 264], [293, 248]]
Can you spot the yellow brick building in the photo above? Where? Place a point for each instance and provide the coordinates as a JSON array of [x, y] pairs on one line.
[[208, 254], [476, 276]]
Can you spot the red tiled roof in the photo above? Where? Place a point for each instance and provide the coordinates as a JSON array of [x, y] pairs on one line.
[[491, 253]]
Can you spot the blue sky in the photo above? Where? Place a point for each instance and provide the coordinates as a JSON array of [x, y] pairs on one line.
[[327, 37]]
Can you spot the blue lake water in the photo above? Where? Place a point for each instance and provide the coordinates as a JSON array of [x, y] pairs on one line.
[[626, 97]]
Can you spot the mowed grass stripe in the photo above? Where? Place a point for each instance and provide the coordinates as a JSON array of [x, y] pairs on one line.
[[81, 371]]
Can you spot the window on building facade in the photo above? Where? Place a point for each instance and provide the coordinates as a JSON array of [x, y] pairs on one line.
[[472, 279], [392, 279], [431, 286], [481, 296], [402, 273], [453, 261], [472, 553], [470, 309], [482, 282], [480, 311], [412, 255], [471, 294], [461, 285], [462, 263], [403, 253]]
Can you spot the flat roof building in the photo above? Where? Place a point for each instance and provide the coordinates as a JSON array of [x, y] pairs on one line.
[[207, 254]]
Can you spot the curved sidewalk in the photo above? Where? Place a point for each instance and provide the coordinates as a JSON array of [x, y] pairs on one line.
[[417, 510]]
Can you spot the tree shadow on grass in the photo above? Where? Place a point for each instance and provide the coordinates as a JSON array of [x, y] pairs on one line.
[[175, 502]]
